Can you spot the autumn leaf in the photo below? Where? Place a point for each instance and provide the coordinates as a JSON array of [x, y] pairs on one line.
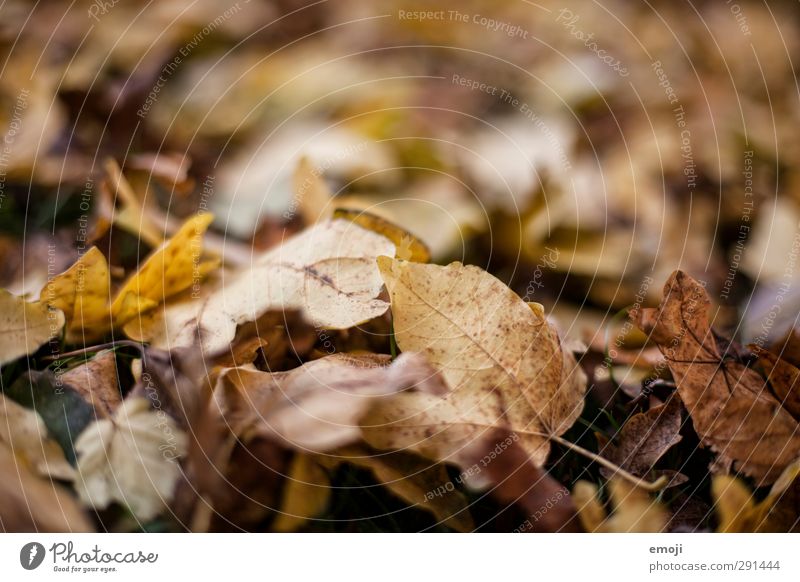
[[783, 378], [502, 360], [318, 406], [176, 266], [25, 435], [634, 510], [32, 504], [645, 437], [97, 382], [25, 327], [130, 458], [82, 293], [327, 271], [311, 195], [306, 493], [732, 411], [737, 510], [409, 247]]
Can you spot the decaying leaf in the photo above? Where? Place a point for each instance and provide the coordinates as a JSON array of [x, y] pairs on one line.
[[25, 435], [327, 271], [645, 438], [318, 406], [131, 458], [97, 382], [737, 510], [409, 247], [24, 326], [634, 510], [31, 504], [305, 494], [502, 360], [176, 266], [731, 408], [82, 293], [783, 377]]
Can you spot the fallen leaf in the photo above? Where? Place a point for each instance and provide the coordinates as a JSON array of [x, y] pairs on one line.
[[409, 247], [97, 382], [131, 458], [502, 360], [25, 327], [176, 266], [61, 407], [783, 378], [31, 504], [634, 510], [645, 438], [306, 493], [317, 407], [738, 512], [25, 434], [82, 293], [731, 409], [327, 271]]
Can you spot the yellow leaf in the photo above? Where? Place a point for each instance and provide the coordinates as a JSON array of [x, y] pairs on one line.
[[737, 510], [311, 195], [305, 495], [409, 247], [25, 327], [634, 510], [176, 266], [82, 293]]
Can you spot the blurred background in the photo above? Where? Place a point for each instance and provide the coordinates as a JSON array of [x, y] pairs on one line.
[[578, 150]]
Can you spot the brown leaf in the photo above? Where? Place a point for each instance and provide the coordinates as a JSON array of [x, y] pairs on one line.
[[31, 504], [731, 409], [783, 377], [97, 382], [645, 438]]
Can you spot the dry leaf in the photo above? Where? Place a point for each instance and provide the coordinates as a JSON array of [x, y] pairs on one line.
[[502, 360], [97, 382], [731, 409], [131, 458], [738, 512], [634, 510], [82, 293], [305, 494], [24, 433], [327, 271], [31, 504], [25, 327], [409, 247], [645, 438], [783, 378], [176, 266], [317, 407]]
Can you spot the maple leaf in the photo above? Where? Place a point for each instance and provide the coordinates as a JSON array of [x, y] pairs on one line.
[[731, 409]]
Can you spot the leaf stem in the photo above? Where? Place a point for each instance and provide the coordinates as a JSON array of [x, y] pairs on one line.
[[656, 485], [93, 349]]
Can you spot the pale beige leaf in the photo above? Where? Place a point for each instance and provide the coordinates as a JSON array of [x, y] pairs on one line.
[[131, 458], [502, 360], [327, 271]]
